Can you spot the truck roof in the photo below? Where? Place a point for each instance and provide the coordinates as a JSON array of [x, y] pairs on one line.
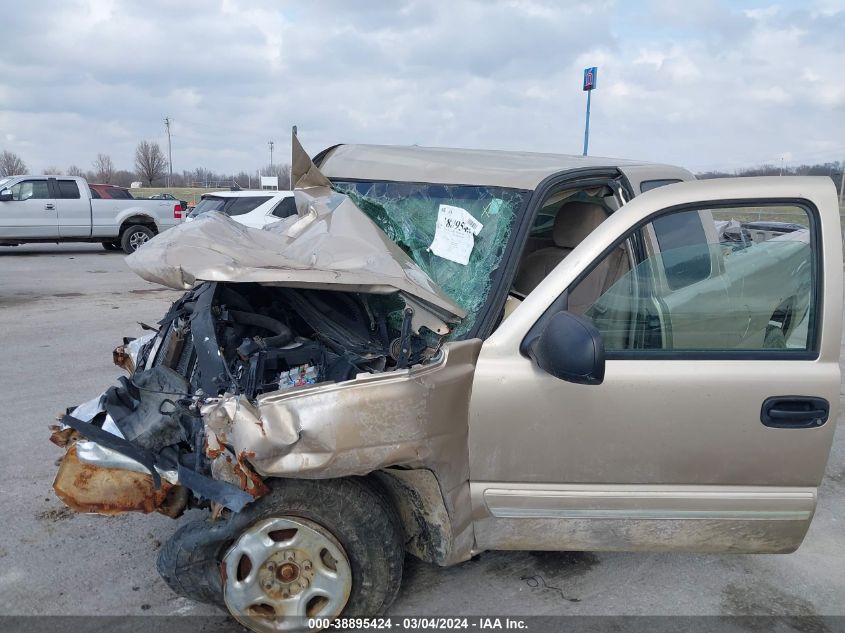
[[498, 168]]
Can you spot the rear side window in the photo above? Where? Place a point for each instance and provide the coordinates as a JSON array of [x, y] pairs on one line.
[[648, 185], [68, 190], [240, 206], [117, 193], [208, 203], [285, 208]]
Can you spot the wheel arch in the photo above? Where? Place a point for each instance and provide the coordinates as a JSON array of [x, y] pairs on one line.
[[419, 501], [132, 218]]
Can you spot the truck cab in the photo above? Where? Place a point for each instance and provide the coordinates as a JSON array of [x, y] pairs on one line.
[[66, 209]]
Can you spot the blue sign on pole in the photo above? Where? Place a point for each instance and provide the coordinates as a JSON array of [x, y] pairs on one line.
[[590, 75]]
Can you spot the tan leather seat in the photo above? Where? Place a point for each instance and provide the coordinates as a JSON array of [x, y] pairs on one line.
[[574, 221]]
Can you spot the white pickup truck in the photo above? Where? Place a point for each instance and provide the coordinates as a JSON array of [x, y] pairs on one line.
[[61, 209]]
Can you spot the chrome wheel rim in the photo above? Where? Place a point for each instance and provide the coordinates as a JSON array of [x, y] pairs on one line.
[[138, 239], [283, 571]]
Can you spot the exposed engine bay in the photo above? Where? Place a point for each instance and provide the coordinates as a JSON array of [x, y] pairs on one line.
[[250, 339], [226, 342]]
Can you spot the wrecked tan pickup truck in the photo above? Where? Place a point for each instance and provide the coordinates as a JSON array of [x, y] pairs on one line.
[[450, 351]]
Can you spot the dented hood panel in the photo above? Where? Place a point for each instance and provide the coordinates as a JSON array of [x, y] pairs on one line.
[[331, 244]]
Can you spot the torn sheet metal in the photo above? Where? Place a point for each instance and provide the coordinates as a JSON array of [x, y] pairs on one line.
[[304, 173], [415, 418], [331, 245], [143, 430]]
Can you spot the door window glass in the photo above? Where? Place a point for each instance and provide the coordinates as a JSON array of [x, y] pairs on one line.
[[68, 189], [30, 190], [286, 208], [240, 206], [739, 279]]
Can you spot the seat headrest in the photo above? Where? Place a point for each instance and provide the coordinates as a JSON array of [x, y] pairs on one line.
[[574, 221]]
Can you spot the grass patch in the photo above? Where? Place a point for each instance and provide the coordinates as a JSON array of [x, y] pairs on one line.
[[189, 194]]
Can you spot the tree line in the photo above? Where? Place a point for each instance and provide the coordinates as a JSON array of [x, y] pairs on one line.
[[151, 169], [831, 169]]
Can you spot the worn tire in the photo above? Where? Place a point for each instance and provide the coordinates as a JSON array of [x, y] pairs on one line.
[[355, 510], [111, 246], [130, 236]]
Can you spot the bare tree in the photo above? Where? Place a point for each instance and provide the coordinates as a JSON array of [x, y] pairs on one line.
[[104, 167], [123, 178], [201, 175], [73, 170], [52, 170], [149, 161], [11, 164]]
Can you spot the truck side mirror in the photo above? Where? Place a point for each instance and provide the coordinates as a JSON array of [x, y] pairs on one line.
[[5, 196], [570, 348]]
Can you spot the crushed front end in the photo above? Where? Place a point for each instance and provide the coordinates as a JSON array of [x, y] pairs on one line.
[[164, 437]]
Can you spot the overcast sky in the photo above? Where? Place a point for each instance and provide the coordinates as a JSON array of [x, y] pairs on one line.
[[701, 84]]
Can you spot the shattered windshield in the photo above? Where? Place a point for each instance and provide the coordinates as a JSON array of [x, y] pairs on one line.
[[456, 233]]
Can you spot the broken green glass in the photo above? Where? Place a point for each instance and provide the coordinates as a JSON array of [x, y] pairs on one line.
[[408, 212]]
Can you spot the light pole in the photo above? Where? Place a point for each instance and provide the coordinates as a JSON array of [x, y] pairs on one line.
[[590, 75], [270, 143], [842, 186], [169, 153]]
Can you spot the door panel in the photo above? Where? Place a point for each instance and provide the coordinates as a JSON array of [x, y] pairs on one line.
[[670, 451], [74, 209], [32, 212]]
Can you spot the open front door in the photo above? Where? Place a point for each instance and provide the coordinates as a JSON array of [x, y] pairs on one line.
[[712, 423]]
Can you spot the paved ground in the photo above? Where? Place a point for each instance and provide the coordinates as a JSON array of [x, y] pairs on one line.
[[64, 308]]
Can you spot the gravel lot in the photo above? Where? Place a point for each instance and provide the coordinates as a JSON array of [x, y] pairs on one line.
[[62, 311]]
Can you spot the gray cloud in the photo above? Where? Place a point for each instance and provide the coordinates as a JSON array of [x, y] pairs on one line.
[[708, 85]]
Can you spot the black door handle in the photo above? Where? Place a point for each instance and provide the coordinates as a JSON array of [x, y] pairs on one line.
[[794, 412]]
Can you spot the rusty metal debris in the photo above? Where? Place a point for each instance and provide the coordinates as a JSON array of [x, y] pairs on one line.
[[61, 436], [107, 491], [121, 358]]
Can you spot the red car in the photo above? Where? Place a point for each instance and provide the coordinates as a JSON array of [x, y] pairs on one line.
[[109, 192]]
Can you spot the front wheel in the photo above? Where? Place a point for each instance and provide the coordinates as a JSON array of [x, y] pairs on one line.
[[308, 549], [135, 237]]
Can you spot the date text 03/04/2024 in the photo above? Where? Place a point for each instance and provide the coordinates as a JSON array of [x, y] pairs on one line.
[[420, 623]]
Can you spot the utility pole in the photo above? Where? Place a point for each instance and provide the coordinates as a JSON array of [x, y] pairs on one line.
[[270, 143], [169, 153], [291, 183], [842, 186]]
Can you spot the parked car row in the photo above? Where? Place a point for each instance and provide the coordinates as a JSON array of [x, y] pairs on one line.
[[69, 209]]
